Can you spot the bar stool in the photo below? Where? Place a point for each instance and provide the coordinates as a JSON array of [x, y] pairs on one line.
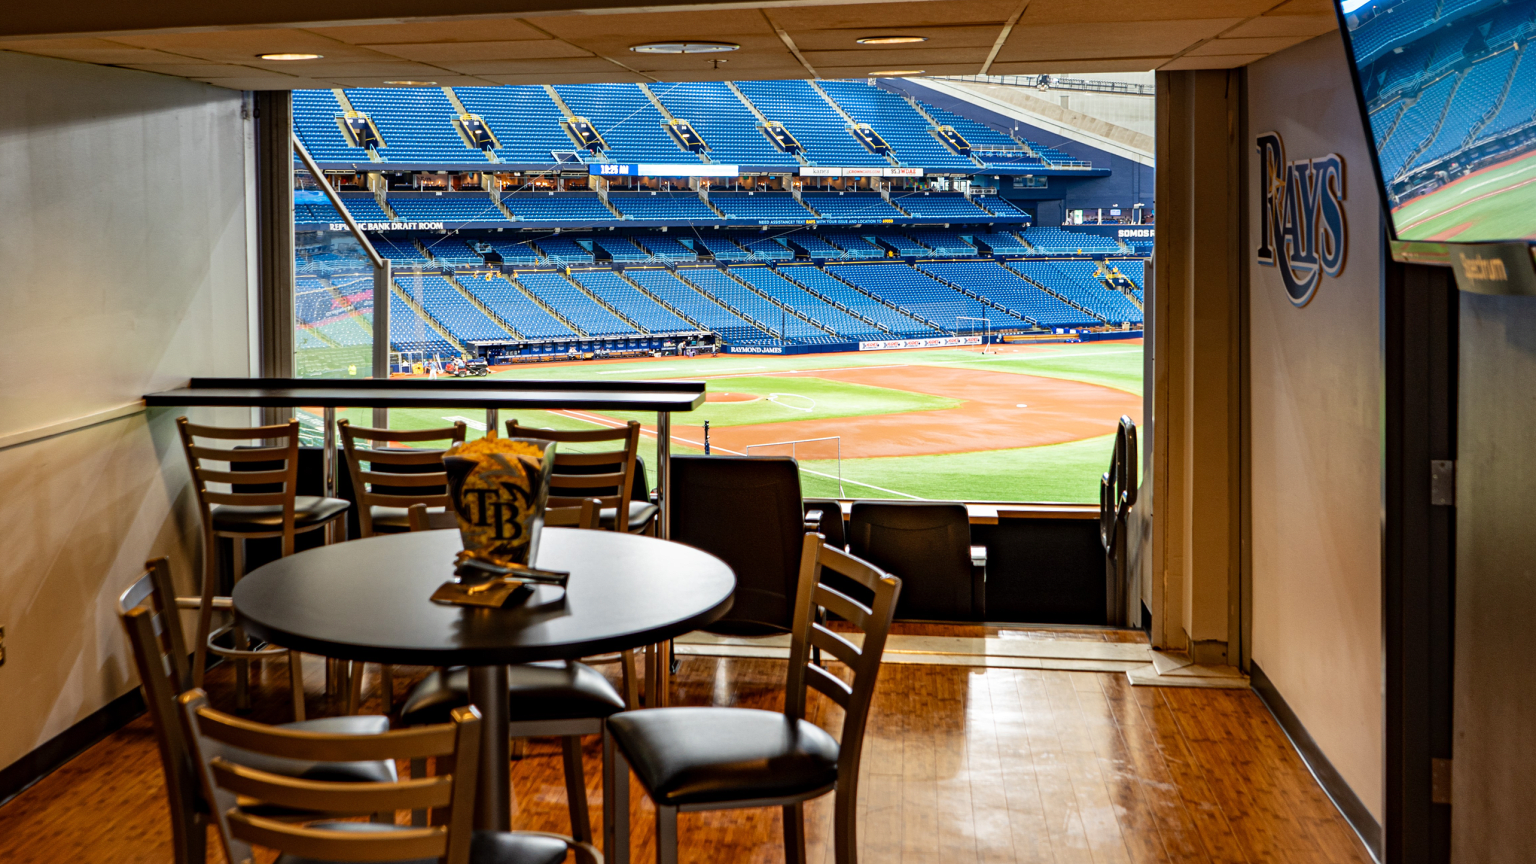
[[252, 509], [396, 479]]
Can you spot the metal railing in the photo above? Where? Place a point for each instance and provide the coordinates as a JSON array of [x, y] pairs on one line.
[[1056, 82]]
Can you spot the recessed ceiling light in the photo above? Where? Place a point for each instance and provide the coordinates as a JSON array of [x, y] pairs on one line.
[[684, 47], [890, 40], [410, 83], [895, 73], [289, 56]]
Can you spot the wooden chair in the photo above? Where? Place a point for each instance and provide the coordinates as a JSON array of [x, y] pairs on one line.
[[560, 698], [236, 788], [153, 623], [692, 759], [244, 514], [396, 479], [607, 475]]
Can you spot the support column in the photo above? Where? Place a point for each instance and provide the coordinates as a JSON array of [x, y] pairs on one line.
[[274, 238]]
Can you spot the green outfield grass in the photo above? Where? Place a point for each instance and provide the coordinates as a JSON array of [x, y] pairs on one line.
[[1059, 472], [1489, 205]]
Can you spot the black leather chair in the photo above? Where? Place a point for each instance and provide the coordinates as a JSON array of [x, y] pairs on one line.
[[747, 512], [929, 546], [825, 517], [691, 759]]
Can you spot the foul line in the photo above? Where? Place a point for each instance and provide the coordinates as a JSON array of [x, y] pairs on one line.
[[1468, 202]]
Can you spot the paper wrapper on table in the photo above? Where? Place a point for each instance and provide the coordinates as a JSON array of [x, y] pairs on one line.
[[499, 488]]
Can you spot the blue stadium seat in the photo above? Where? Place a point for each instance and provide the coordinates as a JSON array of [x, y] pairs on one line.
[[618, 293], [451, 309], [454, 207], [403, 253], [666, 248], [943, 242], [813, 245], [314, 121], [541, 206], [1075, 281], [923, 296], [1002, 243], [574, 305], [999, 206], [727, 126], [680, 206], [629, 123], [620, 249], [821, 131], [839, 321], [753, 306], [721, 248], [561, 249], [416, 125], [938, 206], [764, 248], [1002, 286], [855, 245], [901, 244], [525, 121], [770, 207], [908, 133], [1480, 87], [1055, 241], [688, 300], [507, 300], [516, 253], [900, 324], [408, 332], [851, 207]]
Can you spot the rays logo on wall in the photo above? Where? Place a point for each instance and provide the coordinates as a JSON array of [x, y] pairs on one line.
[[1302, 231]]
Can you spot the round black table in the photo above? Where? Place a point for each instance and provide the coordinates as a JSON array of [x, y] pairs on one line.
[[368, 600]]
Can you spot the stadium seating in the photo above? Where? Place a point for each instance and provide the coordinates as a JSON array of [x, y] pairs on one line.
[[987, 144], [408, 332], [516, 253], [525, 121], [451, 251], [768, 281], [920, 294], [540, 206], [312, 301], [813, 245], [629, 123], [938, 205], [403, 253], [822, 133], [943, 242], [1073, 281], [753, 306], [666, 248], [416, 125], [902, 245], [521, 313], [721, 248], [681, 206], [1055, 241], [764, 248], [850, 207], [451, 309], [574, 305], [562, 250], [1002, 286], [855, 245], [723, 121], [900, 324], [363, 208], [620, 249], [447, 207], [778, 207], [314, 120], [1002, 243], [1132, 269], [1418, 122], [908, 133], [1373, 36], [618, 293], [1519, 104], [998, 206], [686, 299], [1479, 88]]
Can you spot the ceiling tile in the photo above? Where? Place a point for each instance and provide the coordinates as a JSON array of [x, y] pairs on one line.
[[864, 70], [938, 37], [703, 25], [466, 30], [240, 46], [1109, 64], [268, 82], [663, 65], [911, 58], [1286, 25], [440, 79], [880, 18], [1305, 7], [1222, 62], [389, 68], [1076, 12], [92, 51], [458, 52], [556, 66], [193, 70], [1125, 39], [1228, 47], [618, 76]]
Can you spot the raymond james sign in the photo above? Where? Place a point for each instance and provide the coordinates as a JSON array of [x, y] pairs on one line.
[[1302, 231]]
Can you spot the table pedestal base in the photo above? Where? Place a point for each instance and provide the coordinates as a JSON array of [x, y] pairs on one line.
[[493, 795]]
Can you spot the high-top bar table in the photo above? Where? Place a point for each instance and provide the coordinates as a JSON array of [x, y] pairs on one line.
[[662, 397]]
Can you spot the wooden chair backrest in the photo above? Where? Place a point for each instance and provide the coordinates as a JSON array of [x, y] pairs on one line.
[[150, 617], [433, 485], [285, 451], [873, 618], [230, 785], [585, 515], [622, 462]]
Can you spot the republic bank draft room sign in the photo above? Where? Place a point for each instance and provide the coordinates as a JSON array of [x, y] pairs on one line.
[[1302, 231]]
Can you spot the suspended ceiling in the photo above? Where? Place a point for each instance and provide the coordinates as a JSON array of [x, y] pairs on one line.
[[488, 42]]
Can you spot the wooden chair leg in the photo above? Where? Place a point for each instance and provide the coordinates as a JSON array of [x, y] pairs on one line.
[[794, 833], [242, 665], [387, 685], [631, 680], [356, 671], [296, 683], [845, 823], [205, 611], [519, 748], [576, 788], [615, 804], [666, 835]]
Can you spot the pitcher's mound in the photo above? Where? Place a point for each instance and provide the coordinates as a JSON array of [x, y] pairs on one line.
[[714, 396]]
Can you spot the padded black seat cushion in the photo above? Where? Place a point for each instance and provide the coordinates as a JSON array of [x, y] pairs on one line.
[[717, 755], [640, 513], [487, 847], [393, 520], [333, 772], [308, 511], [557, 690]]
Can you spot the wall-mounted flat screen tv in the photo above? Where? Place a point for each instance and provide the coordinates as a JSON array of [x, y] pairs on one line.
[[1448, 88]]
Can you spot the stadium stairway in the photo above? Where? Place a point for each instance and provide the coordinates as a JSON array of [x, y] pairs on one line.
[[603, 303], [410, 302], [453, 279], [1059, 296], [539, 302]]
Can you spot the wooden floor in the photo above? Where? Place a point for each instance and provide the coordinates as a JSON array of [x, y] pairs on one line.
[[961, 765]]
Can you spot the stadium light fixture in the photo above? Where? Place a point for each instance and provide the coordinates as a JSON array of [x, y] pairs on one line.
[[289, 56], [896, 73], [684, 47], [890, 40]]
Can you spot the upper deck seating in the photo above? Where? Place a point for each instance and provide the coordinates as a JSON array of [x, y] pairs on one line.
[[629, 123], [906, 131], [680, 206], [416, 125], [314, 121], [448, 207], [851, 207], [542, 206], [778, 207], [821, 131], [726, 125], [525, 121], [938, 206]]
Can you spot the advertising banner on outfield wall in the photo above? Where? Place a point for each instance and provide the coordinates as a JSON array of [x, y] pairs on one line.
[[939, 342]]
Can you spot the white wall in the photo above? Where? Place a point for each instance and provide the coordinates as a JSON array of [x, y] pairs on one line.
[[1316, 396], [124, 268]]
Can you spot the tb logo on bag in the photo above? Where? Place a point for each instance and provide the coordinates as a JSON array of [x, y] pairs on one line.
[[1302, 231]]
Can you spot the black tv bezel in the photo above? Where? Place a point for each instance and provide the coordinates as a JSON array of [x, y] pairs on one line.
[[1365, 123]]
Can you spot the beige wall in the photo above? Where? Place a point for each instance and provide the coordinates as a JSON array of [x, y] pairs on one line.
[[124, 267], [1315, 400]]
